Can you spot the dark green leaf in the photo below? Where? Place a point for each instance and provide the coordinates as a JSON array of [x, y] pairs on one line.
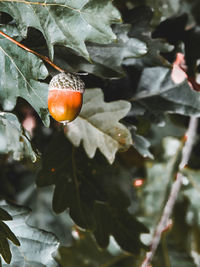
[[4, 215], [42, 216], [84, 252], [5, 249], [140, 19], [91, 190], [107, 60], [120, 224], [169, 127], [36, 246], [20, 72], [13, 139], [141, 144], [112, 56], [158, 93], [172, 29], [69, 23], [5, 234]]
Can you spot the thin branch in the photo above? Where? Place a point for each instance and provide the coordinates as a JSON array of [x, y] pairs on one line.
[[41, 4], [187, 149], [32, 51]]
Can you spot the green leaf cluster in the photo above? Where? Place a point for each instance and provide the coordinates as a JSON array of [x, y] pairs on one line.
[[98, 185], [6, 234]]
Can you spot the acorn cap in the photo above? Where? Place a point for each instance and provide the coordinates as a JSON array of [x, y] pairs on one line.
[[67, 81]]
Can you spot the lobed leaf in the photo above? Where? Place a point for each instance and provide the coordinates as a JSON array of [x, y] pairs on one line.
[[141, 144], [113, 55], [42, 243], [68, 23], [96, 193], [158, 93], [13, 139], [42, 215], [140, 19], [98, 126], [5, 234], [4, 215], [134, 47], [20, 72]]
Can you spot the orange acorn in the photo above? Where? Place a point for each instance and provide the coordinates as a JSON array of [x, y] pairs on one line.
[[65, 97]]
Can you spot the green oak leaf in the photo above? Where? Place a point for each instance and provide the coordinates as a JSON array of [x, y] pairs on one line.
[[68, 23], [140, 19], [36, 246], [96, 193], [42, 215], [141, 144], [13, 139], [107, 59], [113, 55], [159, 94], [5, 234], [20, 72], [98, 126]]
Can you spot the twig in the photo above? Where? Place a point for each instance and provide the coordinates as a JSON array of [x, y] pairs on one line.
[[187, 149], [32, 51]]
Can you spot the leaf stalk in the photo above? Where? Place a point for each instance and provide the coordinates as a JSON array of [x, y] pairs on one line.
[[46, 59]]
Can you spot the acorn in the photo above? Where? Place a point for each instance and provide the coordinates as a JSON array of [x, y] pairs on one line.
[[65, 96]]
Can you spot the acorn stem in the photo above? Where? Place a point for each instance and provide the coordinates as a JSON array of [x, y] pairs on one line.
[[32, 51]]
